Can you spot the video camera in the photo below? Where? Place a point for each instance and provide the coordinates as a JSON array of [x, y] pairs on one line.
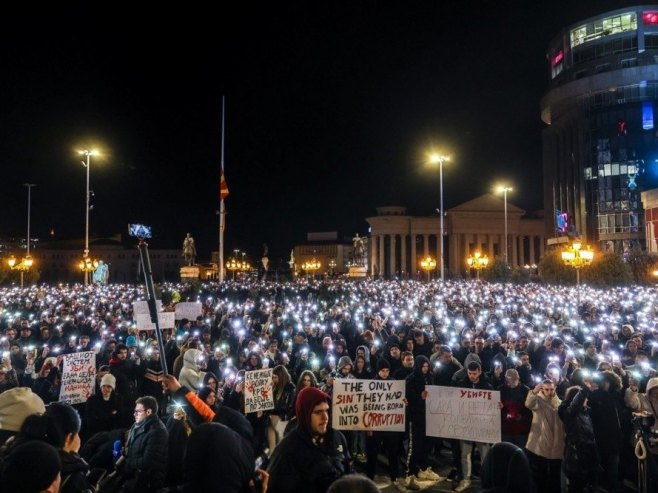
[[139, 231], [644, 424]]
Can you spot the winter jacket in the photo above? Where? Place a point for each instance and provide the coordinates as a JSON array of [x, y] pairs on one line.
[[607, 416], [284, 404], [415, 385], [74, 474], [641, 403], [546, 438], [515, 418], [299, 465], [146, 452], [190, 375], [580, 452], [104, 415]]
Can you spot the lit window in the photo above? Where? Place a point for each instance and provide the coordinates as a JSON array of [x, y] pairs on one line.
[[650, 18]]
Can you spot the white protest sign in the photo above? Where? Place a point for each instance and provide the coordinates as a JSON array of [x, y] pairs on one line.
[[258, 394], [78, 377], [142, 307], [188, 309], [166, 320], [368, 405], [464, 414]]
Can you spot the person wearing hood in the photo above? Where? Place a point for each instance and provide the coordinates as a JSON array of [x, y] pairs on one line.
[[505, 469], [545, 445], [312, 456], [283, 391], [474, 379], [496, 374], [344, 368], [191, 375], [418, 449], [645, 403], [460, 374], [581, 458], [127, 370]]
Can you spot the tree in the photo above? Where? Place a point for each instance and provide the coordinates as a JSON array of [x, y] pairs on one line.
[[497, 271], [552, 269], [608, 269], [642, 264]]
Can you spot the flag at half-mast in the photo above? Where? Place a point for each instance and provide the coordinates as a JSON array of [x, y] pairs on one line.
[[223, 187]]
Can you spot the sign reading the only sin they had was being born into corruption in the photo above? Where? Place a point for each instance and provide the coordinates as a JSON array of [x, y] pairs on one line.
[[375, 405], [463, 414]]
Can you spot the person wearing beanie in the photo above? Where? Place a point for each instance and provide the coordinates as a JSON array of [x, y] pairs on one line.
[[127, 370], [312, 456], [16, 405], [32, 467], [105, 409]]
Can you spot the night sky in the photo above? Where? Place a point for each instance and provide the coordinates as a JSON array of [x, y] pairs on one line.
[[331, 110]]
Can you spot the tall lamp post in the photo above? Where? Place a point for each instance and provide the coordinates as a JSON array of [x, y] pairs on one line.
[[504, 190], [428, 264], [85, 256], [577, 257], [311, 266], [477, 262], [440, 159], [26, 262]]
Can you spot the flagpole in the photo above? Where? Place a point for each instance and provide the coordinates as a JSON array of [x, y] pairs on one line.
[[222, 212]]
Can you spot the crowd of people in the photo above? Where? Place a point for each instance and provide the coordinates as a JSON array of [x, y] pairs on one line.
[[578, 387]]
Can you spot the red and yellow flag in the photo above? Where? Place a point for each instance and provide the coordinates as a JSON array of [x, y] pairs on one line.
[[223, 187]]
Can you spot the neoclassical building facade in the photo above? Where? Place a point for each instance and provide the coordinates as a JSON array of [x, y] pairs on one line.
[[398, 241]]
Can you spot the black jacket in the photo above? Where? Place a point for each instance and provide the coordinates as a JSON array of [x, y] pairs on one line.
[[607, 411], [284, 405], [104, 415], [415, 385], [146, 452], [299, 465], [580, 454], [74, 474]]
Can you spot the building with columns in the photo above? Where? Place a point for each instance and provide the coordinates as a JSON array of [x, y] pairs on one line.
[[398, 241]]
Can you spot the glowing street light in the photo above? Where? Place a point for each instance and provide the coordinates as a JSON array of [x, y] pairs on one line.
[[477, 262], [577, 257], [428, 264], [84, 265], [311, 266], [504, 189], [440, 159]]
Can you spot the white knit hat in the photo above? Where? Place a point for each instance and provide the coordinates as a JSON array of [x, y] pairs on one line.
[[109, 379], [17, 404]]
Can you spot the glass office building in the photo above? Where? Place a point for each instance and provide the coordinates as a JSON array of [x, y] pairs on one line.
[[600, 146]]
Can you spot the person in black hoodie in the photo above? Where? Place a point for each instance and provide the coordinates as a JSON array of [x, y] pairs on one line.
[[416, 395], [217, 460], [312, 456], [607, 411], [581, 462]]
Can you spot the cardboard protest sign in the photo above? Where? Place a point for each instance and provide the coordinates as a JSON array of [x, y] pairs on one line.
[[78, 377], [464, 414], [142, 307], [375, 405], [166, 320], [258, 394], [189, 310]]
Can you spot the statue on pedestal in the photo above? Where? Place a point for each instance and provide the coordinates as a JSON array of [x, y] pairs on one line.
[[359, 252], [189, 250], [101, 274]]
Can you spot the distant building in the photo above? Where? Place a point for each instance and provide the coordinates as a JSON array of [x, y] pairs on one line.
[[600, 146], [58, 261], [398, 241], [334, 255]]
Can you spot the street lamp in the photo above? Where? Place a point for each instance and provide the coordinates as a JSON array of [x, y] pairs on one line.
[[311, 266], [440, 159], [235, 265], [477, 262], [26, 262], [574, 256], [504, 190], [84, 265], [428, 264]]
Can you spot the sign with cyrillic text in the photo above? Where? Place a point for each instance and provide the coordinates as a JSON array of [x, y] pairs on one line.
[[374, 405], [78, 377], [464, 414], [258, 394], [142, 307]]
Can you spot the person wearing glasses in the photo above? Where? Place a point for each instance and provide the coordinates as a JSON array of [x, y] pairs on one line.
[[146, 448]]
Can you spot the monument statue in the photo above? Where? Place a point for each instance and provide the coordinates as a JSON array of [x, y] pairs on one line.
[[101, 274], [359, 252], [189, 250]]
